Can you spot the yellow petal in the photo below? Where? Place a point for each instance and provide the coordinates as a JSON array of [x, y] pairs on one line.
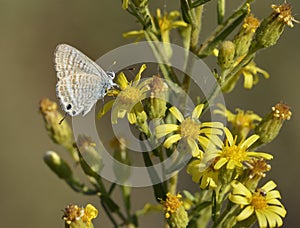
[[229, 136], [241, 200], [248, 80], [249, 141], [245, 213], [260, 154], [133, 33], [131, 117], [171, 140], [270, 185], [220, 163], [262, 220], [122, 81], [138, 76], [106, 107], [197, 111], [278, 210], [176, 113], [194, 147], [165, 129]]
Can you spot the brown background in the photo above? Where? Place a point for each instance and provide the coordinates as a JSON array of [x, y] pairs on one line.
[[30, 195]]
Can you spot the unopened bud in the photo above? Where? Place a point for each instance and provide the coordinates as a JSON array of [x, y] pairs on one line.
[[59, 132], [90, 159], [226, 54], [156, 105], [58, 165], [272, 27], [243, 39]]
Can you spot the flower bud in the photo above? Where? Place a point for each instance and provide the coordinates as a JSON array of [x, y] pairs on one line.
[[272, 27], [271, 124], [226, 54], [90, 159], [243, 39], [156, 105], [58, 165], [59, 133]]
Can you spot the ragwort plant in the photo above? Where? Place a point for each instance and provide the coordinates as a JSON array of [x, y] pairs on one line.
[[226, 162]]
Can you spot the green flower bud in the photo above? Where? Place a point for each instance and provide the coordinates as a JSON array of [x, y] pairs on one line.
[[271, 124], [59, 132], [272, 27], [243, 39], [226, 54], [180, 218], [90, 159], [156, 105], [58, 165]]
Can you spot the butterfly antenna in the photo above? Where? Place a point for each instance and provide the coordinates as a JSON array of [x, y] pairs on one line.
[[114, 63], [60, 122]]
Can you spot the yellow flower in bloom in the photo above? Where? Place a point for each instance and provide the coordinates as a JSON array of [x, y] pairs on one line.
[[263, 202], [242, 122], [251, 74], [234, 155], [80, 217], [206, 178], [129, 98], [190, 130], [90, 212], [171, 204]]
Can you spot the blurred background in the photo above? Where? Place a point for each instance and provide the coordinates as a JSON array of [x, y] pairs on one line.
[[30, 194]]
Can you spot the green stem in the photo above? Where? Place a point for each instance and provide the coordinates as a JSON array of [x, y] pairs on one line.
[[221, 11], [239, 12]]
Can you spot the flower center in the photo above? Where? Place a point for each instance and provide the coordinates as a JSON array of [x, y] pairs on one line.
[[259, 201], [189, 128], [172, 203], [235, 153], [130, 95]]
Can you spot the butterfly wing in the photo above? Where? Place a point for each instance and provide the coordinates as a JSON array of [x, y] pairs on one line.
[[81, 82], [79, 92], [68, 60]]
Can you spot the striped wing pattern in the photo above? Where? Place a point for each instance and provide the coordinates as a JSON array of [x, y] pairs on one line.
[[80, 81]]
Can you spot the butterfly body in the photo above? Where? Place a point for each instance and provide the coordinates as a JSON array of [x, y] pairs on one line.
[[80, 81]]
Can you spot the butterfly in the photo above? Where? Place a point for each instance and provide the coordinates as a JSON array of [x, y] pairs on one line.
[[80, 81]]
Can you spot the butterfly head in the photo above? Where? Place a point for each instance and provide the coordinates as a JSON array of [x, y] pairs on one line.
[[111, 74]]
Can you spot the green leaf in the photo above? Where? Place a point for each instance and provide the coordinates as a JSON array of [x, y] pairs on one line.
[[198, 3]]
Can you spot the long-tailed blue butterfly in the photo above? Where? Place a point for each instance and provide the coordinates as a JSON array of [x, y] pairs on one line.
[[80, 81]]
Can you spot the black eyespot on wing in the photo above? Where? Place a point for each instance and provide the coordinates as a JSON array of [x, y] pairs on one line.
[[74, 112], [69, 106]]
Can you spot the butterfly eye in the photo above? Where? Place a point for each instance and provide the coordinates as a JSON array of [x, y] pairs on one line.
[[69, 106]]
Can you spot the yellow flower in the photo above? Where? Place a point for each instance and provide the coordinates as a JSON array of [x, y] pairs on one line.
[[129, 98], [174, 210], [206, 178], [75, 216], [251, 74], [171, 204], [90, 212], [190, 130], [234, 155], [263, 202], [242, 122]]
